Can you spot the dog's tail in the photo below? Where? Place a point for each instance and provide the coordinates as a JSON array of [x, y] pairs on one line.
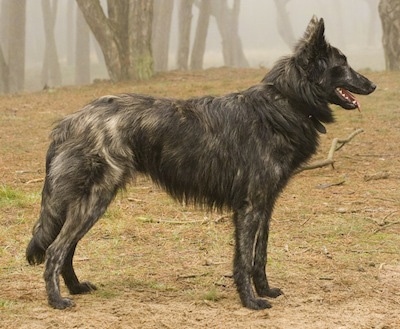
[[36, 251], [50, 221], [45, 232]]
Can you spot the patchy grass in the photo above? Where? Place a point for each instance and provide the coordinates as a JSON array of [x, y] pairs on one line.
[[10, 196]]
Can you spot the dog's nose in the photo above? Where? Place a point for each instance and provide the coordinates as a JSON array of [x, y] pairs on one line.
[[372, 87]]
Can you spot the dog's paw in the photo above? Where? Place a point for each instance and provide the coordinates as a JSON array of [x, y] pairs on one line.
[[274, 292], [269, 292], [82, 288], [257, 304], [61, 303]]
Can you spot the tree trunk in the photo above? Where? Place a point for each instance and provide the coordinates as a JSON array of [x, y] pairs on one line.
[[284, 26], [51, 72], [82, 50], [372, 22], [4, 25], [389, 11], [199, 45], [184, 28], [4, 71], [124, 36], [139, 38], [161, 33], [4, 74], [103, 30], [70, 29], [228, 25], [16, 44]]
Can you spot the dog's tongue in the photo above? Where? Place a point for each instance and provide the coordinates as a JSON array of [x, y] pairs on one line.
[[347, 95]]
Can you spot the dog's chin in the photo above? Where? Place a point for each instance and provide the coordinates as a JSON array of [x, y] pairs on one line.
[[348, 106], [345, 105]]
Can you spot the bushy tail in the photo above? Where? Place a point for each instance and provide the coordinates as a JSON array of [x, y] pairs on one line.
[[50, 222], [35, 252], [45, 230]]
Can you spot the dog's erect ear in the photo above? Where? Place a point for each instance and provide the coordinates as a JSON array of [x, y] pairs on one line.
[[313, 41], [315, 31]]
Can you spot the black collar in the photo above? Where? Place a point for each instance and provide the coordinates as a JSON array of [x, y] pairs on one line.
[[318, 125]]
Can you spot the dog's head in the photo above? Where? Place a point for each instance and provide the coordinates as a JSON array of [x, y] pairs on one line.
[[327, 67]]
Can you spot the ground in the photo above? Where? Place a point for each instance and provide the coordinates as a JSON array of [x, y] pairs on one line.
[[334, 248]]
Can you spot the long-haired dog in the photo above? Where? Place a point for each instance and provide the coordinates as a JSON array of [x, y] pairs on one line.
[[235, 152]]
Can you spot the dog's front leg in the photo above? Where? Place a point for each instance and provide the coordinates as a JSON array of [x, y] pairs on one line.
[[260, 279], [246, 227]]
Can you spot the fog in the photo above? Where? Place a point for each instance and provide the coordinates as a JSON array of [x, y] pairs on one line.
[[350, 25]]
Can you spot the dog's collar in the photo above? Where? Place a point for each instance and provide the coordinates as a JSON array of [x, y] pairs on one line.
[[317, 124]]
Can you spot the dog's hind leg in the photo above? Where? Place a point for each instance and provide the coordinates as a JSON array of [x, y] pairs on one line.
[[71, 280], [247, 223], [260, 260], [82, 214]]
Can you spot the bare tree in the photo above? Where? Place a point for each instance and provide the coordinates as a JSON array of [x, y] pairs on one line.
[[199, 45], [51, 72], [283, 21], [124, 36], [4, 74], [389, 11], [140, 21], [184, 28], [228, 25], [373, 17], [82, 50], [161, 33], [70, 29], [16, 44]]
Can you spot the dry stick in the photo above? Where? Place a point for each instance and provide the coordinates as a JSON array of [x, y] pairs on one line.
[[161, 221], [386, 226], [37, 180], [334, 147]]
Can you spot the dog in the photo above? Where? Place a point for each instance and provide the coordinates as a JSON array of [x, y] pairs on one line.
[[235, 152]]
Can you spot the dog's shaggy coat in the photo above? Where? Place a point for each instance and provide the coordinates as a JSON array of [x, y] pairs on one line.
[[236, 151]]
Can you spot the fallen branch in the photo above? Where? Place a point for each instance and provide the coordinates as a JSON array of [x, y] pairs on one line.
[[386, 226], [337, 144], [37, 180], [190, 276], [162, 221], [376, 176]]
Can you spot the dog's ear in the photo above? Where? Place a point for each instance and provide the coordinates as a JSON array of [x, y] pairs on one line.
[[313, 43], [315, 30]]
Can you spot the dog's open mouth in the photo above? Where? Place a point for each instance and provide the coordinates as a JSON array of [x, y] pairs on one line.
[[347, 96]]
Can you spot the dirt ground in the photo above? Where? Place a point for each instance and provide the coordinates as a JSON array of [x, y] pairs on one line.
[[334, 248]]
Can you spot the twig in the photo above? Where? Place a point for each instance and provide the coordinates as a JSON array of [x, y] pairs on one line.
[[37, 180], [337, 144], [222, 218], [160, 221], [376, 176], [324, 186], [191, 276], [386, 226]]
